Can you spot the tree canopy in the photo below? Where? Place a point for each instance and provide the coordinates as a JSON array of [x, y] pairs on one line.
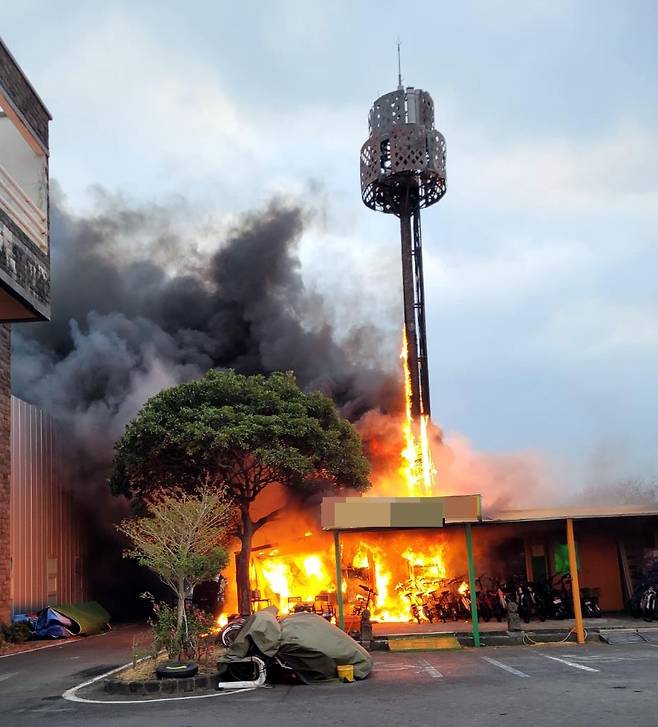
[[246, 431], [241, 433]]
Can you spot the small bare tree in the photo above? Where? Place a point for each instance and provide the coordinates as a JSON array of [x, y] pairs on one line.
[[181, 539]]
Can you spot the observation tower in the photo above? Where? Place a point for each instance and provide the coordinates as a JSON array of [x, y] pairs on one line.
[[403, 170]]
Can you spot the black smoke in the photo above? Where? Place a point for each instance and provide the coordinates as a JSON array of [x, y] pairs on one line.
[[148, 296], [137, 304]]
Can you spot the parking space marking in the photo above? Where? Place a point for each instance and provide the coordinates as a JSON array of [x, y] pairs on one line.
[[505, 667], [570, 663], [393, 667], [429, 669], [4, 677], [612, 659]]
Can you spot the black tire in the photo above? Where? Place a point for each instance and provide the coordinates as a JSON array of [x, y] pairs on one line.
[[177, 670]]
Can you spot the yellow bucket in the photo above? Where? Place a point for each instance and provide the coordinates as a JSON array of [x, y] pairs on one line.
[[346, 672]]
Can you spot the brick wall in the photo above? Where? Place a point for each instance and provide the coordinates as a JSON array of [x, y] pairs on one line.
[[5, 474]]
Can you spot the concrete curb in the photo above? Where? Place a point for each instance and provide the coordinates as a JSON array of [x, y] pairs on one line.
[[503, 637], [154, 687], [507, 638]]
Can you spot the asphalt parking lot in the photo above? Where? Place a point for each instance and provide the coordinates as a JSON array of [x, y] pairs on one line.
[[546, 685]]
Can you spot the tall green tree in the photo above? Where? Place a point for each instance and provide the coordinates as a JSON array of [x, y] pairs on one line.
[[242, 434]]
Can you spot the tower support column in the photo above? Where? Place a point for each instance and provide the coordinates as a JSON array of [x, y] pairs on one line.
[[408, 294]]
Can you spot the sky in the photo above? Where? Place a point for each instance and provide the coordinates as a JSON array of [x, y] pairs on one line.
[[541, 259]]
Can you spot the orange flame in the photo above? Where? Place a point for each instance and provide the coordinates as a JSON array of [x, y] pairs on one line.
[[417, 469], [390, 579], [385, 579]]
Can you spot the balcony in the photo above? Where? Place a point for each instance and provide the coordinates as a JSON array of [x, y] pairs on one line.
[[24, 251], [23, 211]]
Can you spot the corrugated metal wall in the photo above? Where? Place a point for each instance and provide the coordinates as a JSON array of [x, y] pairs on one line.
[[46, 543]]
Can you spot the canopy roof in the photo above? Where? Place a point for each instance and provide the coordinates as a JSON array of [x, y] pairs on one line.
[[573, 512]]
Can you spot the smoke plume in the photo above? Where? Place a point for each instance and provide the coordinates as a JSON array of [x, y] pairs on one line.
[[146, 297]]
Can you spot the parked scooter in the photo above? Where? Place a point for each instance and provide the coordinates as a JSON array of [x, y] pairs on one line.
[[489, 603], [589, 602], [648, 603]]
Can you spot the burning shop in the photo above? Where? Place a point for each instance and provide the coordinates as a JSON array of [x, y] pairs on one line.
[[402, 554]]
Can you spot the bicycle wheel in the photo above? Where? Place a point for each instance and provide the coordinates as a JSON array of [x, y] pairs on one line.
[[230, 633]]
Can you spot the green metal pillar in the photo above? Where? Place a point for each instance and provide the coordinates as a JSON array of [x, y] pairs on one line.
[[471, 585], [339, 580]]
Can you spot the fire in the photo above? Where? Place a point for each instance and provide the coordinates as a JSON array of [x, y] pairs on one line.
[[432, 564], [417, 469], [387, 576], [289, 580]]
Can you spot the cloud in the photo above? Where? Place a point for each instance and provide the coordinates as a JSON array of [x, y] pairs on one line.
[[592, 329], [154, 113], [559, 174]]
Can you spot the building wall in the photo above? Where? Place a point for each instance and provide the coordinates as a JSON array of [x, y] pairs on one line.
[[596, 541], [24, 270], [24, 247], [599, 564], [5, 475], [46, 542], [19, 94]]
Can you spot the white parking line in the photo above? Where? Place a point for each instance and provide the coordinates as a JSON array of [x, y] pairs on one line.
[[4, 677], [393, 667], [505, 667], [570, 663], [429, 669]]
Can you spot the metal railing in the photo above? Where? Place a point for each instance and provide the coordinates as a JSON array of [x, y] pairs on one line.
[[22, 210]]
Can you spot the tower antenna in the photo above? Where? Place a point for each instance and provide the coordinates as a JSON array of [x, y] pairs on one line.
[[399, 67]]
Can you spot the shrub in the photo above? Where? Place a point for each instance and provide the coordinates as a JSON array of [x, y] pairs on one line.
[[191, 642], [18, 633]]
